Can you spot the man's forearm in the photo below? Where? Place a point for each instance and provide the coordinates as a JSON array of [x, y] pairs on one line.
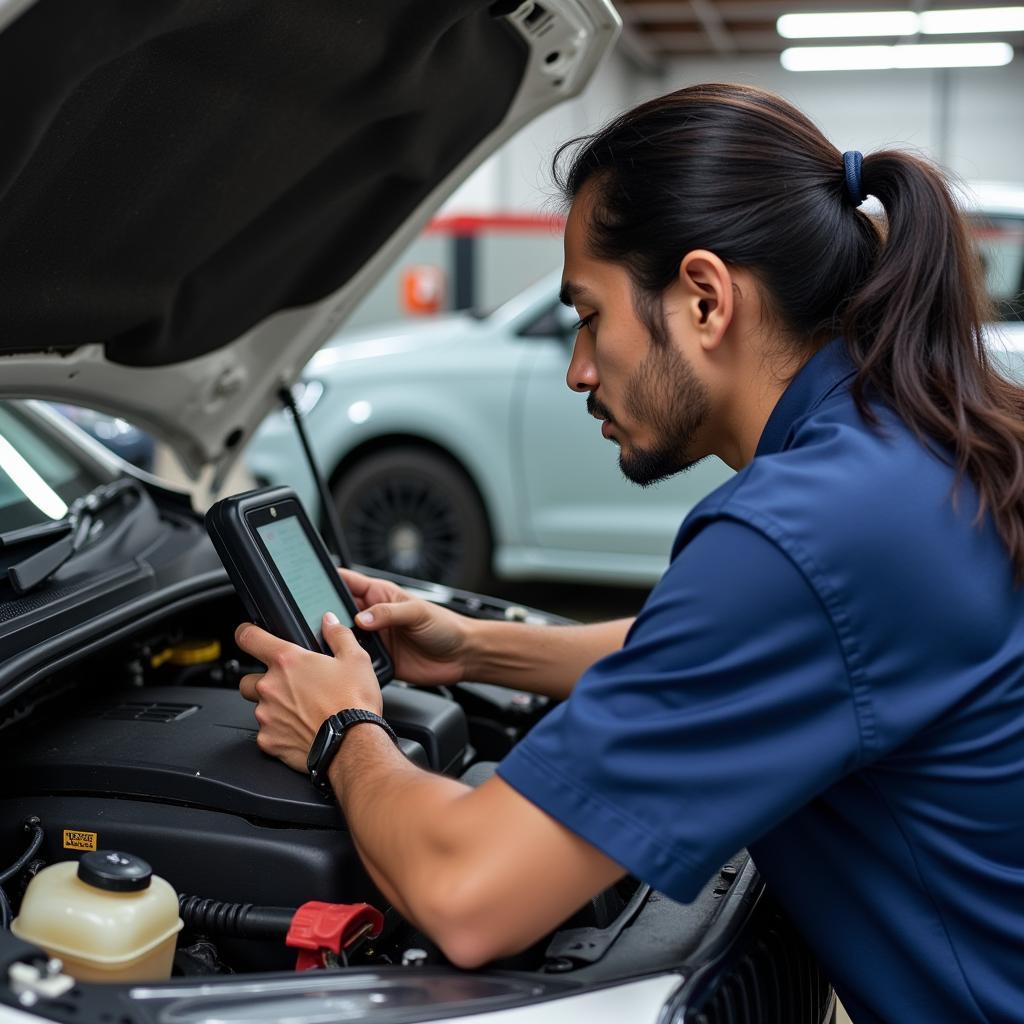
[[403, 822], [482, 871], [374, 782], [541, 659]]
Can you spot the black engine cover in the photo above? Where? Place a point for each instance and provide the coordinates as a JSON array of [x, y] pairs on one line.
[[174, 775]]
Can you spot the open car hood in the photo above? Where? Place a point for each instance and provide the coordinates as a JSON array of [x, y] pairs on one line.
[[194, 195]]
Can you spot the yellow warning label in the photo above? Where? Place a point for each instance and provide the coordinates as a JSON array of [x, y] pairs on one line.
[[79, 840]]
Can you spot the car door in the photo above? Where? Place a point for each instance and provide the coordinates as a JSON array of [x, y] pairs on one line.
[[582, 512]]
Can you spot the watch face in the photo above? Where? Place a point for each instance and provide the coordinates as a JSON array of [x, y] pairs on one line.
[[320, 743]]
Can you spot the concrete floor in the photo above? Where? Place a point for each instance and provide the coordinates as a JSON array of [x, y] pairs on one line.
[[585, 603]]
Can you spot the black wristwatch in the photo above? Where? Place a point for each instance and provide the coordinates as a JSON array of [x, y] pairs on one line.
[[328, 739]]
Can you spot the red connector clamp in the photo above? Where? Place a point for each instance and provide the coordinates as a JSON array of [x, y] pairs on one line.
[[318, 929]]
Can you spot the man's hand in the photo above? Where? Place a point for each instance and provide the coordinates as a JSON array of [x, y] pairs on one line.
[[302, 688], [432, 646], [427, 643]]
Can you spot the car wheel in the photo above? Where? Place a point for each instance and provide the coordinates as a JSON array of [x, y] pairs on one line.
[[411, 511]]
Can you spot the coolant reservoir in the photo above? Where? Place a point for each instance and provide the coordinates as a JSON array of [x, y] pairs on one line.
[[108, 917]]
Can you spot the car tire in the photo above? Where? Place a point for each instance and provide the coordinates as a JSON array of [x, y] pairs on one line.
[[412, 511]]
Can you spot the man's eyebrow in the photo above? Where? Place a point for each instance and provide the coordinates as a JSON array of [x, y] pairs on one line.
[[571, 293]]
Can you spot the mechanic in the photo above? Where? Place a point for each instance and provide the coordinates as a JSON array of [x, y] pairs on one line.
[[831, 670]]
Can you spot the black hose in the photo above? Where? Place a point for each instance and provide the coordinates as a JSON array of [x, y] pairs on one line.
[[240, 920], [31, 825]]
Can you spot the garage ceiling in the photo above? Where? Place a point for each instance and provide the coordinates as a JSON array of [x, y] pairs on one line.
[[664, 28]]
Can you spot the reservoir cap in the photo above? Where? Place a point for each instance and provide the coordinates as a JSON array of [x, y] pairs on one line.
[[114, 871]]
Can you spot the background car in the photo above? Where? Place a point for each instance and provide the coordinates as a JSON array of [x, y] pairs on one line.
[[454, 448]]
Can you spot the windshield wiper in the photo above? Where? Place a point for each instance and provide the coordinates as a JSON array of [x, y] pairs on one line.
[[72, 532]]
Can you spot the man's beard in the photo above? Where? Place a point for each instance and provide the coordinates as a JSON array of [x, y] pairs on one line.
[[667, 395]]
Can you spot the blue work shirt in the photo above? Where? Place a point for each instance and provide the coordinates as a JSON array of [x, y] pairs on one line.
[[831, 673]]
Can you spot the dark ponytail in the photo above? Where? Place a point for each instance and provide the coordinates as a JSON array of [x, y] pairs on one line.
[[743, 173], [914, 329]]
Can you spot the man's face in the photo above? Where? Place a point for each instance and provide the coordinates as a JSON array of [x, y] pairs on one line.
[[651, 399]]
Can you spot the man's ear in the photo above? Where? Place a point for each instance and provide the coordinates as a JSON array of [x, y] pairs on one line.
[[706, 290]]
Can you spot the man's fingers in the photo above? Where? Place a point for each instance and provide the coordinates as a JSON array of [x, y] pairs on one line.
[[339, 638], [356, 581], [367, 590], [259, 643], [381, 616], [247, 687]]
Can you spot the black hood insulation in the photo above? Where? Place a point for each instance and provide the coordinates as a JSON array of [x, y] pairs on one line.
[[174, 171]]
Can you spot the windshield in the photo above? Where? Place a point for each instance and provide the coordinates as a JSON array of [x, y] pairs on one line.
[[39, 474]]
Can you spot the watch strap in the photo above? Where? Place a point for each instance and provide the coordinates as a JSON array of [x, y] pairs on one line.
[[353, 716], [336, 726]]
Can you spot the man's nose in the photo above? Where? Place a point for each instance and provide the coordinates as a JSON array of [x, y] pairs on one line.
[[582, 373]]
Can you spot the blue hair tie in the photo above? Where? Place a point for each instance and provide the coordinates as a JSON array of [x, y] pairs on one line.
[[852, 163]]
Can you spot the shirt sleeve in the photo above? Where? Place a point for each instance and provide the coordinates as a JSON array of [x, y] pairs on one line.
[[727, 709]]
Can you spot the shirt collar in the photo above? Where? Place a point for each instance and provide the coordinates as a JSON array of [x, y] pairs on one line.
[[826, 370]]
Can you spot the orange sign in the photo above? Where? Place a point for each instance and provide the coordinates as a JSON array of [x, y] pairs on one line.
[[423, 288]]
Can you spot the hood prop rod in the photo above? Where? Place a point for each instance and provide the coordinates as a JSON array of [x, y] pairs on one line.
[[332, 526]]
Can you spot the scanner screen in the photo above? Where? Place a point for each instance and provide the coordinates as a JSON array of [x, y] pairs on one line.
[[303, 572]]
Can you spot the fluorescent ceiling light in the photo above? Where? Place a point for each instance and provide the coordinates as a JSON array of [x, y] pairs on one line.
[[882, 58], [860, 23], [981, 19]]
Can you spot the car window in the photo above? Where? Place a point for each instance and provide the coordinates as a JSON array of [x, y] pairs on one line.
[[39, 476], [1000, 242]]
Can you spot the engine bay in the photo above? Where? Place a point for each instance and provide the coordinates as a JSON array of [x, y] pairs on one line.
[[147, 747], [135, 746]]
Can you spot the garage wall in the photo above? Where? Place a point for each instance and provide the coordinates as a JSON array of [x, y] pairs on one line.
[[970, 119]]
